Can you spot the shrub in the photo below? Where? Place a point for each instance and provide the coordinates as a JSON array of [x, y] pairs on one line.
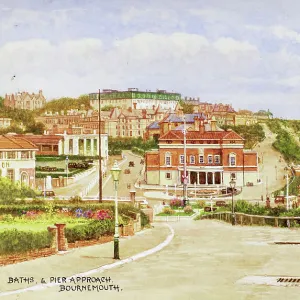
[[200, 204], [15, 241], [92, 230], [175, 203], [144, 219], [188, 209], [168, 211]]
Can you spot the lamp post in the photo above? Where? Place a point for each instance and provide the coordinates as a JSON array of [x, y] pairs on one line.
[[232, 185], [67, 168], [287, 188], [175, 189], [100, 148], [115, 173], [185, 178]]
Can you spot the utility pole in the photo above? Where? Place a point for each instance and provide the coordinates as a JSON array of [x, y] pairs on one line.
[[185, 179], [287, 189], [100, 147]]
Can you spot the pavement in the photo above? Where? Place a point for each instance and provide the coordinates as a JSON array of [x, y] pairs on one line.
[[79, 260], [206, 259]]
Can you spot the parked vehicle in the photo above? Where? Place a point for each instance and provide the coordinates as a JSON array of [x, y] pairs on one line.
[[131, 164], [228, 191], [126, 171]]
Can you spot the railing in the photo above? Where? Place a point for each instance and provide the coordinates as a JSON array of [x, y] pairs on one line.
[[245, 219]]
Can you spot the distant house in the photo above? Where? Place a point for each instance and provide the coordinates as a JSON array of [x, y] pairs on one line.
[[4, 122], [25, 100], [263, 115]]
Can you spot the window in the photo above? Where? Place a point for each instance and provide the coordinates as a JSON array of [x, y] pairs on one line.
[[181, 159], [201, 159], [217, 159], [10, 174], [210, 159], [168, 159], [232, 159], [11, 154], [24, 154], [192, 159], [168, 176]]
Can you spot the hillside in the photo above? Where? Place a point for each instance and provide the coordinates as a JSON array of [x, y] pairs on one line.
[[252, 134], [287, 139], [65, 103]]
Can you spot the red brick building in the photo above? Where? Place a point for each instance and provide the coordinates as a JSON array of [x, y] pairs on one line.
[[212, 157]]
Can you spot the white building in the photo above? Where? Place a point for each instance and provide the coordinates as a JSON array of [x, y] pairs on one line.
[[17, 159]]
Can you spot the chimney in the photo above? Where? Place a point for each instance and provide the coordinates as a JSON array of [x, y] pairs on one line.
[[201, 127], [196, 123], [134, 105], [213, 124], [40, 92], [169, 126], [129, 109]]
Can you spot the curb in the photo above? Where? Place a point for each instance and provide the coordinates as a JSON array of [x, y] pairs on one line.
[[157, 248]]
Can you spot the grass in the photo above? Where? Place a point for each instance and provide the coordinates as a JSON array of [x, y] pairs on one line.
[[39, 225]]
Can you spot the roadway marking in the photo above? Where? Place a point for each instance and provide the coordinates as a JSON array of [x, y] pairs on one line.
[[157, 248]]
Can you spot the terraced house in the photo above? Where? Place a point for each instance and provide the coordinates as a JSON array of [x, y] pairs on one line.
[[213, 156]]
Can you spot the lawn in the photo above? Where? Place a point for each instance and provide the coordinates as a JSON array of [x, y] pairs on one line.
[[39, 225]]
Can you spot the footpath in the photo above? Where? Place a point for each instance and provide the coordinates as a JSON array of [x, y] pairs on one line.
[[81, 260]]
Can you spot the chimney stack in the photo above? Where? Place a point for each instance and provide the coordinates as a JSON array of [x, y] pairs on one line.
[[197, 123], [213, 124], [201, 128]]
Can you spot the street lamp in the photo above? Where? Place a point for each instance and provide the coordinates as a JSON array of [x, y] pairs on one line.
[[185, 178], [115, 173], [67, 168], [232, 185]]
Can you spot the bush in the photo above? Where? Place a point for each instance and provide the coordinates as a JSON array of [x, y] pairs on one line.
[[92, 230], [188, 209], [200, 204], [168, 211], [15, 241], [175, 203], [144, 219]]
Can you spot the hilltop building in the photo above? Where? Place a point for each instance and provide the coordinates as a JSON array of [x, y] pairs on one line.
[[25, 100], [135, 99]]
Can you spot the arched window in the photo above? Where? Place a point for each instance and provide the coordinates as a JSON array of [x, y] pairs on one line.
[[168, 160], [232, 159]]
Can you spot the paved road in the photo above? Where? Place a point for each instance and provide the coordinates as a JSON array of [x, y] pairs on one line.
[[205, 260], [125, 179], [77, 187]]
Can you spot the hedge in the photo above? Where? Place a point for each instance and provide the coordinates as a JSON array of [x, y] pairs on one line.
[[15, 241], [92, 230], [63, 157]]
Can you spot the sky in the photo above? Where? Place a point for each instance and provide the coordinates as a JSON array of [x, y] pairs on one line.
[[244, 53]]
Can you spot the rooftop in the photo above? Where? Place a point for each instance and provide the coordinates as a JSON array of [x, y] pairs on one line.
[[16, 142]]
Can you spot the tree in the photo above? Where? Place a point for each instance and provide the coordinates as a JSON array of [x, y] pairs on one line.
[[36, 128], [187, 108], [1, 101]]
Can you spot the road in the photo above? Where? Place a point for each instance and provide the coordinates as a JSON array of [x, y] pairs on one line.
[[125, 179], [205, 260], [271, 169]]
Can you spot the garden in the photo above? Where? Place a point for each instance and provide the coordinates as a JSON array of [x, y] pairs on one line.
[[177, 208], [23, 227]]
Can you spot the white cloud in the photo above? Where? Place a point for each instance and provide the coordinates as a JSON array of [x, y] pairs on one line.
[[229, 45], [285, 33]]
